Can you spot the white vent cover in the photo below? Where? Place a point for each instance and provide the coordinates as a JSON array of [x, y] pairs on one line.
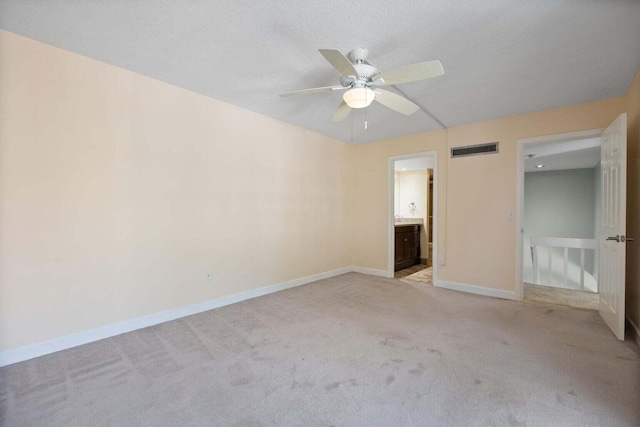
[[474, 150]]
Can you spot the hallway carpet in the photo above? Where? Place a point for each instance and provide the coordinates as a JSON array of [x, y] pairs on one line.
[[353, 350], [568, 297]]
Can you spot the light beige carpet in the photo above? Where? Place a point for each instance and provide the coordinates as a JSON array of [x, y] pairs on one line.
[[568, 297], [353, 350]]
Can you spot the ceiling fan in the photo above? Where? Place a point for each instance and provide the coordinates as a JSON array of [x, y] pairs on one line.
[[362, 81]]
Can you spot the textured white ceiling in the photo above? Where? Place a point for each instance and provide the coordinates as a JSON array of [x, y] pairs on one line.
[[563, 155], [501, 57], [579, 159]]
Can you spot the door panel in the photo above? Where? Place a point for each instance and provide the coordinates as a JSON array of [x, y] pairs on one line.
[[408, 245], [613, 226], [399, 253]]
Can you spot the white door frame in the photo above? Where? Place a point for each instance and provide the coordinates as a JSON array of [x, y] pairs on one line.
[[391, 211], [593, 133]]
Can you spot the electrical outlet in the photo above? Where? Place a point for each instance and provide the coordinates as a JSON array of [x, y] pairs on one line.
[[511, 215], [441, 263]]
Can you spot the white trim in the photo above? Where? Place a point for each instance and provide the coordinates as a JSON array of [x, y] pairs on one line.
[[564, 242], [519, 220], [478, 290], [635, 329], [371, 271], [391, 213], [57, 344], [520, 191], [560, 137]]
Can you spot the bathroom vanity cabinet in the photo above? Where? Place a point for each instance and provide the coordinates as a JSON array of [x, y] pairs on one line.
[[407, 252]]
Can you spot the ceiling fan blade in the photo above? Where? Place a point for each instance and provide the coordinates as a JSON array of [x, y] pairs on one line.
[[396, 102], [312, 90], [410, 73], [342, 112], [339, 62]]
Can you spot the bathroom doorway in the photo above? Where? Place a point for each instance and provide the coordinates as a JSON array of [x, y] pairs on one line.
[[412, 223]]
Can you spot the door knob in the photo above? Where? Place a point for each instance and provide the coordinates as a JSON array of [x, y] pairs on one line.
[[622, 238]]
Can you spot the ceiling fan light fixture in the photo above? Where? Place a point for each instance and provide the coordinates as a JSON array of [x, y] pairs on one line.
[[359, 97]]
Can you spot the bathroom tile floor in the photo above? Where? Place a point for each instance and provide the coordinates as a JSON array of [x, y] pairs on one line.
[[423, 277], [400, 274]]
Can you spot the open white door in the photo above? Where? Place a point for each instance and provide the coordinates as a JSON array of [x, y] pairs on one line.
[[614, 225]]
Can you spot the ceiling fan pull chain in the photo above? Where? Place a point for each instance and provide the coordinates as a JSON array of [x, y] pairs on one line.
[[352, 128], [365, 119]]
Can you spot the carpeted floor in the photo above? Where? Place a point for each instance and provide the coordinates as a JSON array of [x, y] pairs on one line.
[[568, 297], [353, 350]]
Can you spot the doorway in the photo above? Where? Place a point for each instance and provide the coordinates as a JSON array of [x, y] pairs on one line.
[[412, 222], [562, 205], [609, 237]]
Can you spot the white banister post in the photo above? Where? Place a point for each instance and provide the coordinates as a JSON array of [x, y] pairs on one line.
[[566, 265], [582, 269], [549, 255], [565, 243], [534, 261]]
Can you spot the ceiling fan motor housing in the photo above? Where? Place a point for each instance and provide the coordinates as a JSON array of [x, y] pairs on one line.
[[359, 54], [365, 74], [366, 71]]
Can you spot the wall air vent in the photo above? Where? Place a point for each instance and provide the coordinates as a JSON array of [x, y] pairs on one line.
[[474, 150]]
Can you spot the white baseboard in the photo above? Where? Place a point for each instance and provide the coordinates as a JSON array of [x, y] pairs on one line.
[[474, 289], [40, 349], [370, 271], [636, 330]]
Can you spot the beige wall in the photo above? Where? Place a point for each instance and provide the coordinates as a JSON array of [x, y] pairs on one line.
[[118, 193], [475, 239], [633, 202]]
